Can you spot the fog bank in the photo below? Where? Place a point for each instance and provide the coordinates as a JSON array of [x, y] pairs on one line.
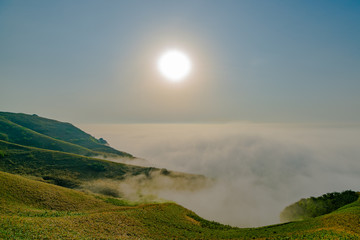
[[259, 168]]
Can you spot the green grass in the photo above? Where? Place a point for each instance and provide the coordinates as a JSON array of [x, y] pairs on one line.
[[55, 152], [15, 133], [35, 146], [60, 168], [35, 131], [31, 209], [73, 171]]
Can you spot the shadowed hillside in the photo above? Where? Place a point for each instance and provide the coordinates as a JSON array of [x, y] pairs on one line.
[[71, 170]]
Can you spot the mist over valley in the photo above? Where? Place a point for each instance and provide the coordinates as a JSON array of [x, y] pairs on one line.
[[258, 169]]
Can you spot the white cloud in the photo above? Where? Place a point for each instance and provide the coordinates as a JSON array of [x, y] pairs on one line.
[[259, 169]]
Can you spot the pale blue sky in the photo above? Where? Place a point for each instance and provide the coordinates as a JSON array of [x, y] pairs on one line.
[[262, 61]]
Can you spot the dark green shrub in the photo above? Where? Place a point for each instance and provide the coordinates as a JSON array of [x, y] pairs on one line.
[[97, 167], [4, 137], [63, 181], [313, 207]]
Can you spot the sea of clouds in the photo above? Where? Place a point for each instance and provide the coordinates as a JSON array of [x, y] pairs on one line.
[[258, 169]]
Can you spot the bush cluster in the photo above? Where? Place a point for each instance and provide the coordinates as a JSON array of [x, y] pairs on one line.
[[317, 206]]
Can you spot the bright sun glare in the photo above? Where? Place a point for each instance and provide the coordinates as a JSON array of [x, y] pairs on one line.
[[174, 65]]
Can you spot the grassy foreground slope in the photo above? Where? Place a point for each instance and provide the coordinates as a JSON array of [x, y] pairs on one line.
[[34, 210], [32, 130]]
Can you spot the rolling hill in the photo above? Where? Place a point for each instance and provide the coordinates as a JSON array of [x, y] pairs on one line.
[[34, 210], [73, 171], [44, 163], [35, 131], [45, 149], [65, 169]]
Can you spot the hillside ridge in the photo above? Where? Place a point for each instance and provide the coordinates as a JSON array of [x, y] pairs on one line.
[[21, 128], [36, 154], [31, 209]]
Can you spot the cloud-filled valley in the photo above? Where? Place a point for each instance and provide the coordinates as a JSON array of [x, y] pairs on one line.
[[258, 168]]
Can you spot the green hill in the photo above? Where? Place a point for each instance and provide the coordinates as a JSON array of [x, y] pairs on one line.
[[59, 153], [35, 131], [34, 210], [15, 133], [70, 170], [26, 152]]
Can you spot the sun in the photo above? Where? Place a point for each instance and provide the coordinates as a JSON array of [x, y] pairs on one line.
[[174, 65]]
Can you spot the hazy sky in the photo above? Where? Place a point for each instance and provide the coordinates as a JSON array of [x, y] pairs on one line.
[[262, 61]]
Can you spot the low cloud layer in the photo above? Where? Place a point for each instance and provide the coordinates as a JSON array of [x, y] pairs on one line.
[[148, 188], [259, 169]]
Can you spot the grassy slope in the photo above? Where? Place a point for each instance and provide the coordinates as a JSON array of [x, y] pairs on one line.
[[54, 130], [34, 210], [15, 133], [71, 169]]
